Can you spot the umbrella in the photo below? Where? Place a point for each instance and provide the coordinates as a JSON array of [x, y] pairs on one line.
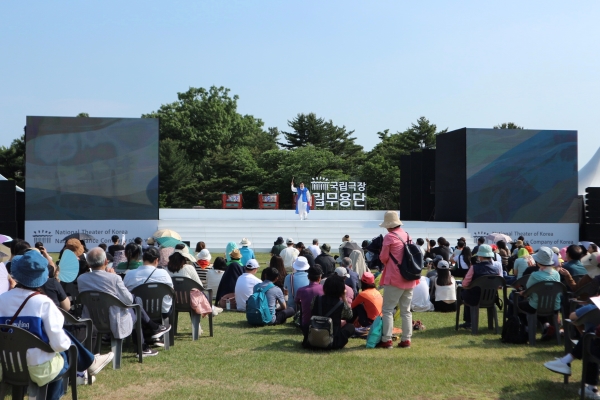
[[5, 238], [495, 237], [79, 236], [169, 242], [4, 251], [161, 233], [347, 248]]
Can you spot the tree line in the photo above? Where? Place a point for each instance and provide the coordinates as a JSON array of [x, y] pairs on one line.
[[207, 147]]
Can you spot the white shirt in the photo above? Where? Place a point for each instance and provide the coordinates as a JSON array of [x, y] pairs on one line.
[[420, 299], [314, 249], [289, 255], [213, 278], [445, 293], [138, 276], [187, 271], [244, 287]]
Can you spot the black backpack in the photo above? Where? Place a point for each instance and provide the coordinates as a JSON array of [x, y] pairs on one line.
[[513, 331], [412, 262]]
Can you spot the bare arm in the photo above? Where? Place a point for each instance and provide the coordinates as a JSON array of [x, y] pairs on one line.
[[65, 304]]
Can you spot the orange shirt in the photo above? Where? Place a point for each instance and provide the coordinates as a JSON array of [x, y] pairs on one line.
[[372, 301]]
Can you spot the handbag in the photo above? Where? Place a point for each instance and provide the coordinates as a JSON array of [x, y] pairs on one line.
[[199, 303], [320, 332]]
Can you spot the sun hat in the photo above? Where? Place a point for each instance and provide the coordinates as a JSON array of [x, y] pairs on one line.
[[75, 246], [519, 243], [346, 238], [443, 264], [544, 256], [204, 254], [368, 278], [245, 242], [186, 254], [428, 260], [325, 247], [252, 264], [30, 269], [341, 271], [289, 241], [485, 250], [235, 254], [390, 220], [555, 250], [301, 264], [150, 241]]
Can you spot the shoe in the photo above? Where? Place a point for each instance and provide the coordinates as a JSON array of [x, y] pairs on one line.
[[148, 352], [217, 310], [465, 326], [83, 379], [405, 344], [100, 361], [558, 367], [161, 330], [549, 333], [589, 393], [385, 345], [160, 342]]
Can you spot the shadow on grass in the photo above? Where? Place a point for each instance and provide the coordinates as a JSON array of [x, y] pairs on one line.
[[541, 389]]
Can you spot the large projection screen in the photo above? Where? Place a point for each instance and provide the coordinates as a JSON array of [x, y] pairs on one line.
[[521, 175], [91, 169]]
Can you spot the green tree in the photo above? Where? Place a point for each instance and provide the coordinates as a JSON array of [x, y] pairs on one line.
[[12, 161], [176, 186], [419, 136], [83, 115], [508, 125], [382, 176]]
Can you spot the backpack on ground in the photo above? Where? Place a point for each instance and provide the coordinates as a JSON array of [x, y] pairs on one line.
[[320, 331], [257, 306], [375, 333], [412, 262], [513, 331]]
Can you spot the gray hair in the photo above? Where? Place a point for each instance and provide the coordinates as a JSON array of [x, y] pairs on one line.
[[96, 257], [347, 262]]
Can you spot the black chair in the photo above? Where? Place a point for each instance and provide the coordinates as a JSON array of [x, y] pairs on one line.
[[14, 343], [588, 357], [152, 296], [572, 334], [87, 323], [546, 293], [584, 293], [98, 307], [488, 285], [183, 286]]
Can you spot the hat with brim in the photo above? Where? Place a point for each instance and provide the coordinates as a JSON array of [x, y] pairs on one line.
[[544, 256], [325, 248], [485, 251], [301, 264], [30, 269], [235, 254], [189, 257], [390, 220], [343, 272], [245, 242], [150, 241], [368, 278], [204, 254], [75, 246]]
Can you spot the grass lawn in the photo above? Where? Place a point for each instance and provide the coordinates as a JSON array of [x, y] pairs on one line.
[[243, 362]]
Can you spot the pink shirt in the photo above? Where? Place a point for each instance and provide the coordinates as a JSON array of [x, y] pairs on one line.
[[391, 273]]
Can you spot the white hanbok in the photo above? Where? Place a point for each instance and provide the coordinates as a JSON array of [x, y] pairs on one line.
[[301, 206]]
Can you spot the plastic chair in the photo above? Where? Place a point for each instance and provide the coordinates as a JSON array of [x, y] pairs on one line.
[[183, 286], [521, 282], [546, 294], [152, 296], [588, 357], [89, 326], [488, 285], [98, 305], [14, 343]]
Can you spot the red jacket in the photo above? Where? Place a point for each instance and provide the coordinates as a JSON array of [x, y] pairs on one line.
[[391, 273]]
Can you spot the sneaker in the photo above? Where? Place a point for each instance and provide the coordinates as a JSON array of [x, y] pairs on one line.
[[589, 393], [465, 326], [161, 330], [217, 310], [385, 345], [82, 379], [558, 367], [148, 352], [160, 342], [100, 361], [405, 344]]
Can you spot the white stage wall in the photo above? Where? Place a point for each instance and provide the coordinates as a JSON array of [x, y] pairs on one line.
[[538, 235], [51, 233]]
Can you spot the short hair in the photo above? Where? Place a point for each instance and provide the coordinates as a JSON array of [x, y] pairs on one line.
[[432, 242], [102, 246], [200, 246], [481, 240], [96, 257], [574, 252], [334, 286], [114, 238], [19, 246], [271, 274], [420, 241], [138, 240], [300, 245], [347, 262], [38, 244], [220, 264], [442, 241], [151, 255], [314, 273], [364, 286], [460, 243], [315, 241]]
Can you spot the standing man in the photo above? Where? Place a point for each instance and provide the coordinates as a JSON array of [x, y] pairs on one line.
[[289, 255], [397, 290], [303, 200]]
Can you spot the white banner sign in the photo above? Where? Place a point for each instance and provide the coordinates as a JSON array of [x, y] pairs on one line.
[[52, 233], [335, 195], [538, 235]]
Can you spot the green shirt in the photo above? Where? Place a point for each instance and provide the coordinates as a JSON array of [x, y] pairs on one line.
[[549, 274], [124, 265]]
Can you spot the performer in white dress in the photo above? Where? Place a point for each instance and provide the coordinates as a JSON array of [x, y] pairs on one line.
[[303, 200]]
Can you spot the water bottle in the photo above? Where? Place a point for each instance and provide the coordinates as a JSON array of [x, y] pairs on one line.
[[228, 305]]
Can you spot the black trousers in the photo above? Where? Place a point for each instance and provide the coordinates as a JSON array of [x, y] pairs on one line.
[[282, 315], [360, 313], [442, 306], [591, 377]]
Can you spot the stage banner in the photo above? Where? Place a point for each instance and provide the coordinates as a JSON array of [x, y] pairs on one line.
[[338, 195], [538, 235], [52, 233]]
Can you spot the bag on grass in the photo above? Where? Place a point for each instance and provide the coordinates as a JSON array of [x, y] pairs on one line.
[[229, 297], [200, 303], [257, 306], [412, 261], [320, 331], [513, 331], [375, 333]]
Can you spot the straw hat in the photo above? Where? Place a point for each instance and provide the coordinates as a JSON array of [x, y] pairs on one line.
[[187, 255], [391, 220], [245, 242], [75, 246]]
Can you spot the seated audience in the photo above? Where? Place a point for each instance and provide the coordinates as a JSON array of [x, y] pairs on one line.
[[444, 288], [215, 274], [204, 258], [230, 277], [442, 249], [277, 263], [590, 262], [522, 262], [133, 252], [349, 292], [244, 287], [296, 280], [277, 305], [246, 252], [278, 246], [326, 261], [305, 295], [304, 252], [314, 248], [289, 255], [353, 279], [199, 247], [420, 298], [463, 262], [182, 264], [368, 304], [108, 255], [229, 248], [358, 263], [115, 246]]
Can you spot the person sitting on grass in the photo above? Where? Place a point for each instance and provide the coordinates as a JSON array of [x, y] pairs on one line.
[[326, 261], [305, 295], [349, 293], [277, 263], [215, 274], [244, 287], [463, 262], [293, 282], [116, 246], [368, 304], [278, 246], [353, 278], [277, 304], [333, 290], [246, 252], [230, 277], [444, 288]]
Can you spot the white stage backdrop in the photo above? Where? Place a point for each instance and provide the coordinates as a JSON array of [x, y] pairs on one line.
[[51, 233], [538, 235]]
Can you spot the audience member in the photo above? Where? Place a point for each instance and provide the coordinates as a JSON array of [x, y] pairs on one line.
[[182, 264], [358, 262], [278, 246], [246, 252], [230, 277], [289, 255], [591, 264], [326, 261], [199, 247], [421, 300], [108, 255], [573, 261], [521, 263], [304, 252], [304, 296], [229, 248], [480, 241], [504, 254], [463, 262], [349, 292], [442, 249], [368, 304], [275, 297], [116, 245], [204, 258], [314, 248], [460, 244], [215, 274], [244, 287], [133, 252], [296, 280], [444, 288], [277, 263], [352, 279]]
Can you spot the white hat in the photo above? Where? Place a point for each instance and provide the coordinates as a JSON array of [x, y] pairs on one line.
[[186, 254], [301, 264], [390, 220], [252, 264], [544, 256], [341, 271], [289, 241], [245, 242], [204, 255]]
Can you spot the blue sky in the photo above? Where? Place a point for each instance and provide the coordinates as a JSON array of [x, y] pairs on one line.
[[366, 65]]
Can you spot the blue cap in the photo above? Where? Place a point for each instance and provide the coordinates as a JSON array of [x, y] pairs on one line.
[[30, 269]]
